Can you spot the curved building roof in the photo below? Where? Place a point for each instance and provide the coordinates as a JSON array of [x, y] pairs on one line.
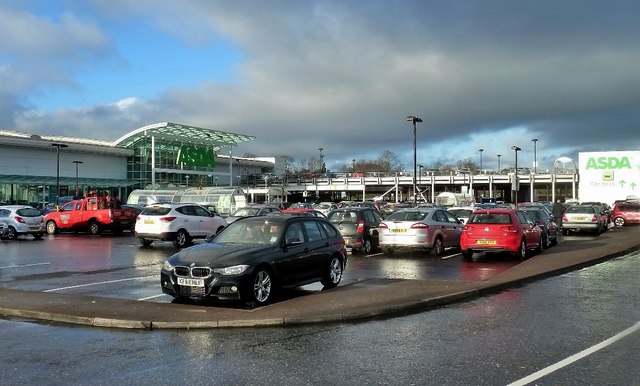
[[175, 132]]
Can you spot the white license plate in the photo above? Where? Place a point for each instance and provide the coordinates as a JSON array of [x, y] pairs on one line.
[[189, 282]]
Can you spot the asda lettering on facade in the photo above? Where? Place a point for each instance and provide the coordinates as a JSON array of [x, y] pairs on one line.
[[195, 156]]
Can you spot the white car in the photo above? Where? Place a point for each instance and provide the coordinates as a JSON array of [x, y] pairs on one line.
[[22, 220], [325, 207], [180, 223], [461, 212]]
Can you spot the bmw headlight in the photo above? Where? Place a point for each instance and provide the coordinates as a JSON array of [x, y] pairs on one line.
[[167, 266], [234, 270]]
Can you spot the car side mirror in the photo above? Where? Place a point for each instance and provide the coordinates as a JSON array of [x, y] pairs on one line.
[[209, 237]]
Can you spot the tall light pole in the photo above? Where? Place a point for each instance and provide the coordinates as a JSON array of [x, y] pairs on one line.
[[77, 184], [414, 120], [321, 160], [535, 156], [353, 162], [499, 156], [420, 178], [58, 146], [515, 186], [480, 150]]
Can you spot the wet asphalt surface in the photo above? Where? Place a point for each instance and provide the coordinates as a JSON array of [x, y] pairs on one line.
[[118, 267], [493, 340]]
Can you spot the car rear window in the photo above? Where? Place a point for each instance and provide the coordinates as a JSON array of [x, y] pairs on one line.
[[156, 211], [343, 216], [409, 215], [28, 212], [460, 212], [580, 209], [534, 214], [244, 212], [490, 218]]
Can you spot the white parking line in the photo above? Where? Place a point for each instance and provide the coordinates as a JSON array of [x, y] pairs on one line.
[[23, 265], [575, 357], [151, 297], [450, 256], [99, 283], [374, 254]]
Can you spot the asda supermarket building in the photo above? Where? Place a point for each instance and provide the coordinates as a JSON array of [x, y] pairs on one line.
[[38, 169]]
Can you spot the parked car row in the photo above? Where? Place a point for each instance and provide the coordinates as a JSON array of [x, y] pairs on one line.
[[254, 257]]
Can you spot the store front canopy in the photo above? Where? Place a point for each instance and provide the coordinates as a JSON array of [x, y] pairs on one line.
[[178, 133], [65, 181]]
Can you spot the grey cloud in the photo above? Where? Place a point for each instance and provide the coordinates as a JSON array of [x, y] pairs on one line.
[[342, 75]]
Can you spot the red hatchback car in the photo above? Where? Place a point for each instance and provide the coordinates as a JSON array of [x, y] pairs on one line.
[[626, 212], [499, 230]]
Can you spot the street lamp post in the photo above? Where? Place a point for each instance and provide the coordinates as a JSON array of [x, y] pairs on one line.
[[515, 186], [480, 150], [58, 146], [321, 160], [77, 184], [353, 162], [414, 120], [535, 156], [499, 156], [420, 179]]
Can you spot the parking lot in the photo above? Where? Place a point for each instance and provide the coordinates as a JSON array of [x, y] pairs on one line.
[[118, 267]]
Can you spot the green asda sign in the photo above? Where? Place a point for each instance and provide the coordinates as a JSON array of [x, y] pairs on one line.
[[195, 156], [608, 163]]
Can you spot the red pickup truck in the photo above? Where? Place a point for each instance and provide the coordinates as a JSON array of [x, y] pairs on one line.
[[93, 214]]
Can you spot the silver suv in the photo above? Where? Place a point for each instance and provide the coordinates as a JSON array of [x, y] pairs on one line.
[[22, 220]]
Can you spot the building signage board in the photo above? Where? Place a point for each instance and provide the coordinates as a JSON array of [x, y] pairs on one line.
[[609, 176]]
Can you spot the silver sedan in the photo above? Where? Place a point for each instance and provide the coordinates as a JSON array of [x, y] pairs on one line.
[[432, 229]]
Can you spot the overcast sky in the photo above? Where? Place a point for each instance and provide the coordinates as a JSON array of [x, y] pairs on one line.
[[340, 75]]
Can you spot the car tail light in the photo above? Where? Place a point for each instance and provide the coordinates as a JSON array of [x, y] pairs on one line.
[[509, 229], [20, 220], [167, 219], [594, 218], [360, 227], [383, 226], [419, 225], [138, 218], [564, 218]]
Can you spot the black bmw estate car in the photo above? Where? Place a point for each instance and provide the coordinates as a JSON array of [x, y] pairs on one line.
[[254, 257]]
